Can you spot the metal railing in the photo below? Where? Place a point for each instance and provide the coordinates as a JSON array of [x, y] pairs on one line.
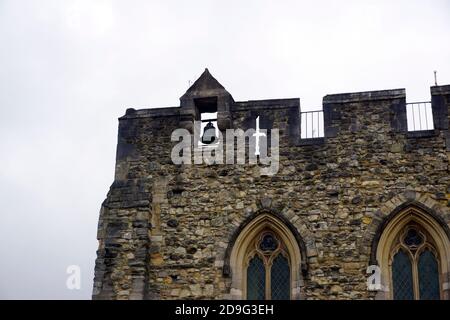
[[311, 124], [419, 116]]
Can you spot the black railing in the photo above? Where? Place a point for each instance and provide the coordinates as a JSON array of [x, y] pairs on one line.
[[420, 116], [311, 124]]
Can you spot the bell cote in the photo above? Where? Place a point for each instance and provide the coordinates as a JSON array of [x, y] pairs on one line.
[[206, 96]]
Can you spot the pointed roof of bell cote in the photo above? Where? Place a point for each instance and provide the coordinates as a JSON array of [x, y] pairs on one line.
[[206, 85]]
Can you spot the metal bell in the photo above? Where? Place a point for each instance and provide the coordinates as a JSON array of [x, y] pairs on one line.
[[209, 133]]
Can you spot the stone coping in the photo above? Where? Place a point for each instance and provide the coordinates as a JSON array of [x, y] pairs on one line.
[[272, 103], [151, 112], [364, 96], [422, 134], [439, 90]]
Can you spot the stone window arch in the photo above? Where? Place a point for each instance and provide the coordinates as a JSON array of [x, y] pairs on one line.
[[413, 255], [265, 261]]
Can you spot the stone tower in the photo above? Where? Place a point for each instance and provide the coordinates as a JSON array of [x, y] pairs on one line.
[[366, 192]]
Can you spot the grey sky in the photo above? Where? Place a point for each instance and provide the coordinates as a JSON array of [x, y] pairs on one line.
[[69, 69]]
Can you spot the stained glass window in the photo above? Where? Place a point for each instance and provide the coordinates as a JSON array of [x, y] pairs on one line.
[[268, 272], [268, 243], [256, 279], [413, 238], [428, 276], [402, 277], [280, 279], [415, 265]]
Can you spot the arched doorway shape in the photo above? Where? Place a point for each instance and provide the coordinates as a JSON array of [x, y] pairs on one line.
[[243, 248], [392, 248]]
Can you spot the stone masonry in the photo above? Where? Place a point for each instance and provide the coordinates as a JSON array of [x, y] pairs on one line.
[[165, 230]]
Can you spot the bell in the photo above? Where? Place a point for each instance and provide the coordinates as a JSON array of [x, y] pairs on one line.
[[209, 133]]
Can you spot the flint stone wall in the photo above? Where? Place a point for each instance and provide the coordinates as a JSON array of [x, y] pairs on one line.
[[165, 229]]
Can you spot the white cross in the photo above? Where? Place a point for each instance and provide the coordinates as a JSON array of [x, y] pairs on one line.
[[257, 135]]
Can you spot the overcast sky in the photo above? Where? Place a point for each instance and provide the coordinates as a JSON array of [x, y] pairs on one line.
[[69, 69]]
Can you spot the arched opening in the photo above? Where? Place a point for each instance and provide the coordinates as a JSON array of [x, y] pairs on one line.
[[267, 268], [413, 255], [265, 261]]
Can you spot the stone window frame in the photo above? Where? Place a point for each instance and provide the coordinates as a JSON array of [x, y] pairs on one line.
[[414, 255], [389, 244], [267, 258], [239, 256]]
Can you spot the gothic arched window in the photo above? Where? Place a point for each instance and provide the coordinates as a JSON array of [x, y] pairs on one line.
[[268, 270], [413, 256], [415, 269], [265, 260]]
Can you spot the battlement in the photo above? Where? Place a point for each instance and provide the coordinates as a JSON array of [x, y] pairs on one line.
[[340, 112]]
